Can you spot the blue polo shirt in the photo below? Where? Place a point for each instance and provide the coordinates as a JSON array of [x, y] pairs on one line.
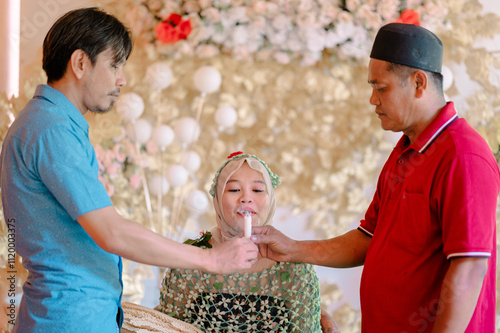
[[48, 178]]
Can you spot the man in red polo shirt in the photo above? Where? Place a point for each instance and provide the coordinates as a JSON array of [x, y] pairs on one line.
[[428, 239]]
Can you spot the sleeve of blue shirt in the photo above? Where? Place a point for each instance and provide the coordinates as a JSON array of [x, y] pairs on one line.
[[66, 163]]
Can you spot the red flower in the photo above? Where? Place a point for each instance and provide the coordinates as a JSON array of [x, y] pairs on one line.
[[185, 29], [173, 29], [408, 16], [235, 154], [174, 19]]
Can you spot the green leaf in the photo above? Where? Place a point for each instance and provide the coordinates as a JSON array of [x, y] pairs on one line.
[[218, 285], [254, 289], [285, 276]]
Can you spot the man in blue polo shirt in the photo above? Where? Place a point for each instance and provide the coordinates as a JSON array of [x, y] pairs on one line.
[[69, 235]]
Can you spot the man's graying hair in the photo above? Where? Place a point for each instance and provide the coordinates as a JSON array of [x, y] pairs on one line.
[[89, 29], [403, 72]]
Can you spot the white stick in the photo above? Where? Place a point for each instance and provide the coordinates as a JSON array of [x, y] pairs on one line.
[[248, 225]]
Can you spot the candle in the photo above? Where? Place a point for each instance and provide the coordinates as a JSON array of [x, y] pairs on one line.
[[10, 27], [248, 225]]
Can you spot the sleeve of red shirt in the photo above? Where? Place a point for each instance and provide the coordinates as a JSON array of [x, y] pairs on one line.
[[468, 201], [369, 223]]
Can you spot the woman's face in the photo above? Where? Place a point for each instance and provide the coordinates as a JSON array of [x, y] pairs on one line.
[[245, 191]]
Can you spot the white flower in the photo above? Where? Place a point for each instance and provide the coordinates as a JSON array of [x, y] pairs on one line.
[[433, 9], [282, 57], [206, 51], [328, 13], [259, 23], [239, 35], [259, 7], [306, 20], [283, 30], [371, 19], [191, 6], [171, 7], [195, 19], [202, 33], [352, 5], [272, 10], [388, 9], [315, 39], [154, 5], [211, 14], [344, 17], [238, 14], [373, 3], [185, 48], [220, 35], [205, 3], [222, 3], [295, 43], [282, 22], [277, 38]]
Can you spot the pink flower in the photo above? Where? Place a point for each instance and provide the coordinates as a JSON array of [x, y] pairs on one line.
[[112, 169], [135, 181]]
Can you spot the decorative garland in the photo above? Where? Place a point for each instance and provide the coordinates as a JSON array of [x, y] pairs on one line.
[[281, 30]]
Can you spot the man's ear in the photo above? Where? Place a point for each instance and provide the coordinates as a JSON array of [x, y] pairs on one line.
[[78, 63], [421, 82]]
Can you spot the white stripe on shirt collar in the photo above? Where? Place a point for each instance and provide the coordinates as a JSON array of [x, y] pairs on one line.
[[438, 132]]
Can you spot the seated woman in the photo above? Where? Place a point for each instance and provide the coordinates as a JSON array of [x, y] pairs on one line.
[[270, 296]]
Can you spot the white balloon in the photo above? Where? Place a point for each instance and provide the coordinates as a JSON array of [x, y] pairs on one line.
[[226, 116], [191, 161], [163, 135], [187, 130], [207, 79], [447, 77], [197, 201], [130, 106], [157, 183], [159, 75], [177, 175], [142, 130]]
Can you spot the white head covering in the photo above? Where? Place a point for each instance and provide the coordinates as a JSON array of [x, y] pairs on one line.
[[224, 231]]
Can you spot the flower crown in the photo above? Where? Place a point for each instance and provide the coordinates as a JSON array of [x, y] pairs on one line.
[[275, 179]]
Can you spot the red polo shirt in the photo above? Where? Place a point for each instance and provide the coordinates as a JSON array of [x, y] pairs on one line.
[[436, 199]]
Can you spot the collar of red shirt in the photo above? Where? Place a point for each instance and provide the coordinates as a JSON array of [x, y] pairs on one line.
[[447, 116]]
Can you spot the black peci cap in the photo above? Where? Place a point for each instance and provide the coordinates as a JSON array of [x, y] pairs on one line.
[[410, 45]]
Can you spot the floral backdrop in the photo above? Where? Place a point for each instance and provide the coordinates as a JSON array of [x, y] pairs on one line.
[[282, 79]]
